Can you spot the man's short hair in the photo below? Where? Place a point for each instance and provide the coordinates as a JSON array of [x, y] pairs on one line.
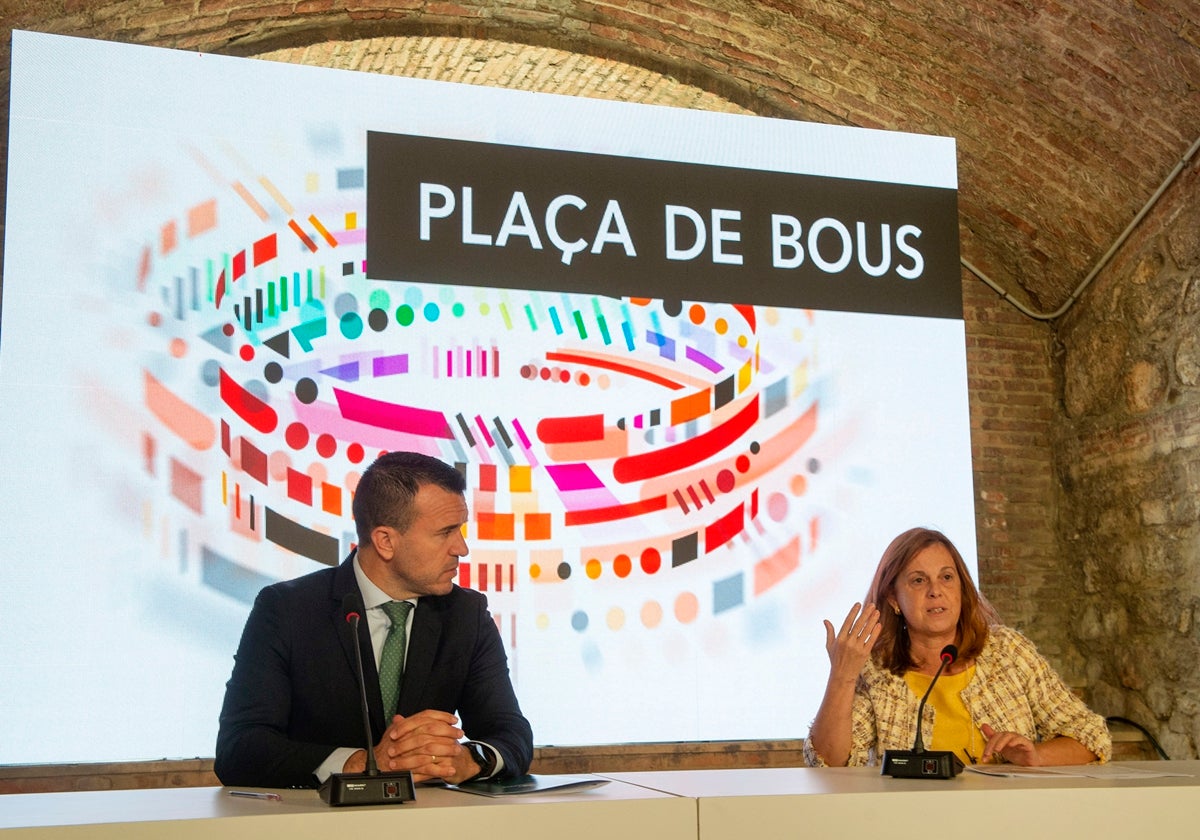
[[388, 487]]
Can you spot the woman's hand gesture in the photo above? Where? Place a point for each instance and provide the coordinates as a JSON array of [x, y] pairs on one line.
[[850, 647]]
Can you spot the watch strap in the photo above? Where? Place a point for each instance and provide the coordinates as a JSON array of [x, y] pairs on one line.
[[484, 757]]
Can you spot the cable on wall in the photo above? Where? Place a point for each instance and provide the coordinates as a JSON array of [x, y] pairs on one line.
[[1074, 296]]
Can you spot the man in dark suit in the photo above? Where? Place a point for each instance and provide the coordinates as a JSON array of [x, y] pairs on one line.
[[292, 709]]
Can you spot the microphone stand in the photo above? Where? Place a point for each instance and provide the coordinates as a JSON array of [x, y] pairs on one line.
[[370, 787], [920, 763]]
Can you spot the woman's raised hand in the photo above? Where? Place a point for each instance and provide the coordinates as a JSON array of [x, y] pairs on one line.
[[850, 647]]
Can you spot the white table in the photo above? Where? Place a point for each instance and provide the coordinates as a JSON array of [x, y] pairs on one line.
[[772, 803], [761, 803], [615, 810]]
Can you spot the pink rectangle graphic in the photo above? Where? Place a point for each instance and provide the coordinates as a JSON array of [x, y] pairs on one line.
[[299, 486], [253, 460], [573, 477], [385, 415], [390, 365], [187, 486]]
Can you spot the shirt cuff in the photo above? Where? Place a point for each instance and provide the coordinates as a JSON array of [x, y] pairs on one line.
[[495, 753], [334, 763]]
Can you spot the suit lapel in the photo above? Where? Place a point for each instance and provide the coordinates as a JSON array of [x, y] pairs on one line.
[[422, 646], [344, 583]]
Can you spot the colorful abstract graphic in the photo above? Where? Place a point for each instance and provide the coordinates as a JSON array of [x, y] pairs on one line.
[[607, 442]]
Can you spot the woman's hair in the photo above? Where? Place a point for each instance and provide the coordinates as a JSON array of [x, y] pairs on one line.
[[893, 650]]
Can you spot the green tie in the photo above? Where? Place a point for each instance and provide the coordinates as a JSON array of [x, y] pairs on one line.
[[391, 663]]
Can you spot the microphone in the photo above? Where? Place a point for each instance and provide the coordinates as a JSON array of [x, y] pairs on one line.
[[920, 763], [370, 787], [350, 606]]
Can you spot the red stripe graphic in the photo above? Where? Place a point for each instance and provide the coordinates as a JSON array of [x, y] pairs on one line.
[[571, 429], [724, 529], [690, 452], [247, 406], [608, 514]]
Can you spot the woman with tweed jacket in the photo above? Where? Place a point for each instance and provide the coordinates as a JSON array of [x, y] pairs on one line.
[[999, 700]]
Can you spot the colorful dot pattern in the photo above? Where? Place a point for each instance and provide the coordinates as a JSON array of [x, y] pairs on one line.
[[677, 423]]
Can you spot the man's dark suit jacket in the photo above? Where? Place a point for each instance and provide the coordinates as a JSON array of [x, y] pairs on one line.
[[293, 696]]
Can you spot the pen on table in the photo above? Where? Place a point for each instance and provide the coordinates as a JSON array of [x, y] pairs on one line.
[[251, 794]]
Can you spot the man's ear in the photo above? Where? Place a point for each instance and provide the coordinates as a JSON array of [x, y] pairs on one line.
[[381, 541]]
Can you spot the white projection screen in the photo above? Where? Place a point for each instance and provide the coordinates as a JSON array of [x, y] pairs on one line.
[[698, 370]]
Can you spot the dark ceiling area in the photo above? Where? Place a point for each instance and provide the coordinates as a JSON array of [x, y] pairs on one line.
[[1068, 116]]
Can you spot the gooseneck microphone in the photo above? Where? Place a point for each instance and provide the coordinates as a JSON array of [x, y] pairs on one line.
[[949, 654], [370, 787], [351, 605], [920, 763]]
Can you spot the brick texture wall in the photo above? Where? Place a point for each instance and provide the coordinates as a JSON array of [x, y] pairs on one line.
[[1034, 93], [1013, 400]]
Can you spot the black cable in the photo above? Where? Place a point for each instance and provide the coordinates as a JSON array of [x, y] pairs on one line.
[[1153, 742]]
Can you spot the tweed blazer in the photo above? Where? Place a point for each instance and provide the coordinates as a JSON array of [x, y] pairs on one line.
[[1014, 690]]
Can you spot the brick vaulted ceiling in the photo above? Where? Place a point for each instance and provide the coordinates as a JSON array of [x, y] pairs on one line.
[[1068, 115]]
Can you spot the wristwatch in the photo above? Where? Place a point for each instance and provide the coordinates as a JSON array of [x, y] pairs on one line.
[[484, 757]]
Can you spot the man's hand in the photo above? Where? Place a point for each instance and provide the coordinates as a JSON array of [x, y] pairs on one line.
[[426, 744]]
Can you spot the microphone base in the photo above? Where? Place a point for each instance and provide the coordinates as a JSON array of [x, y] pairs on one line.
[[363, 789], [927, 764]]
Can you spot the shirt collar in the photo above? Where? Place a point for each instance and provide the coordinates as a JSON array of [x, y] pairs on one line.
[[372, 595]]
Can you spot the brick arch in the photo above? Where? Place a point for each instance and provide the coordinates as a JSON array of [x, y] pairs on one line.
[[676, 63], [733, 55], [1066, 117], [504, 64], [671, 52]]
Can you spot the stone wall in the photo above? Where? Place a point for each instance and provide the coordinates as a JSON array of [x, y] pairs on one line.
[[1128, 458]]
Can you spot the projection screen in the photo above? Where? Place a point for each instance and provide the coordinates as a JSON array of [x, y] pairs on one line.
[[698, 370]]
